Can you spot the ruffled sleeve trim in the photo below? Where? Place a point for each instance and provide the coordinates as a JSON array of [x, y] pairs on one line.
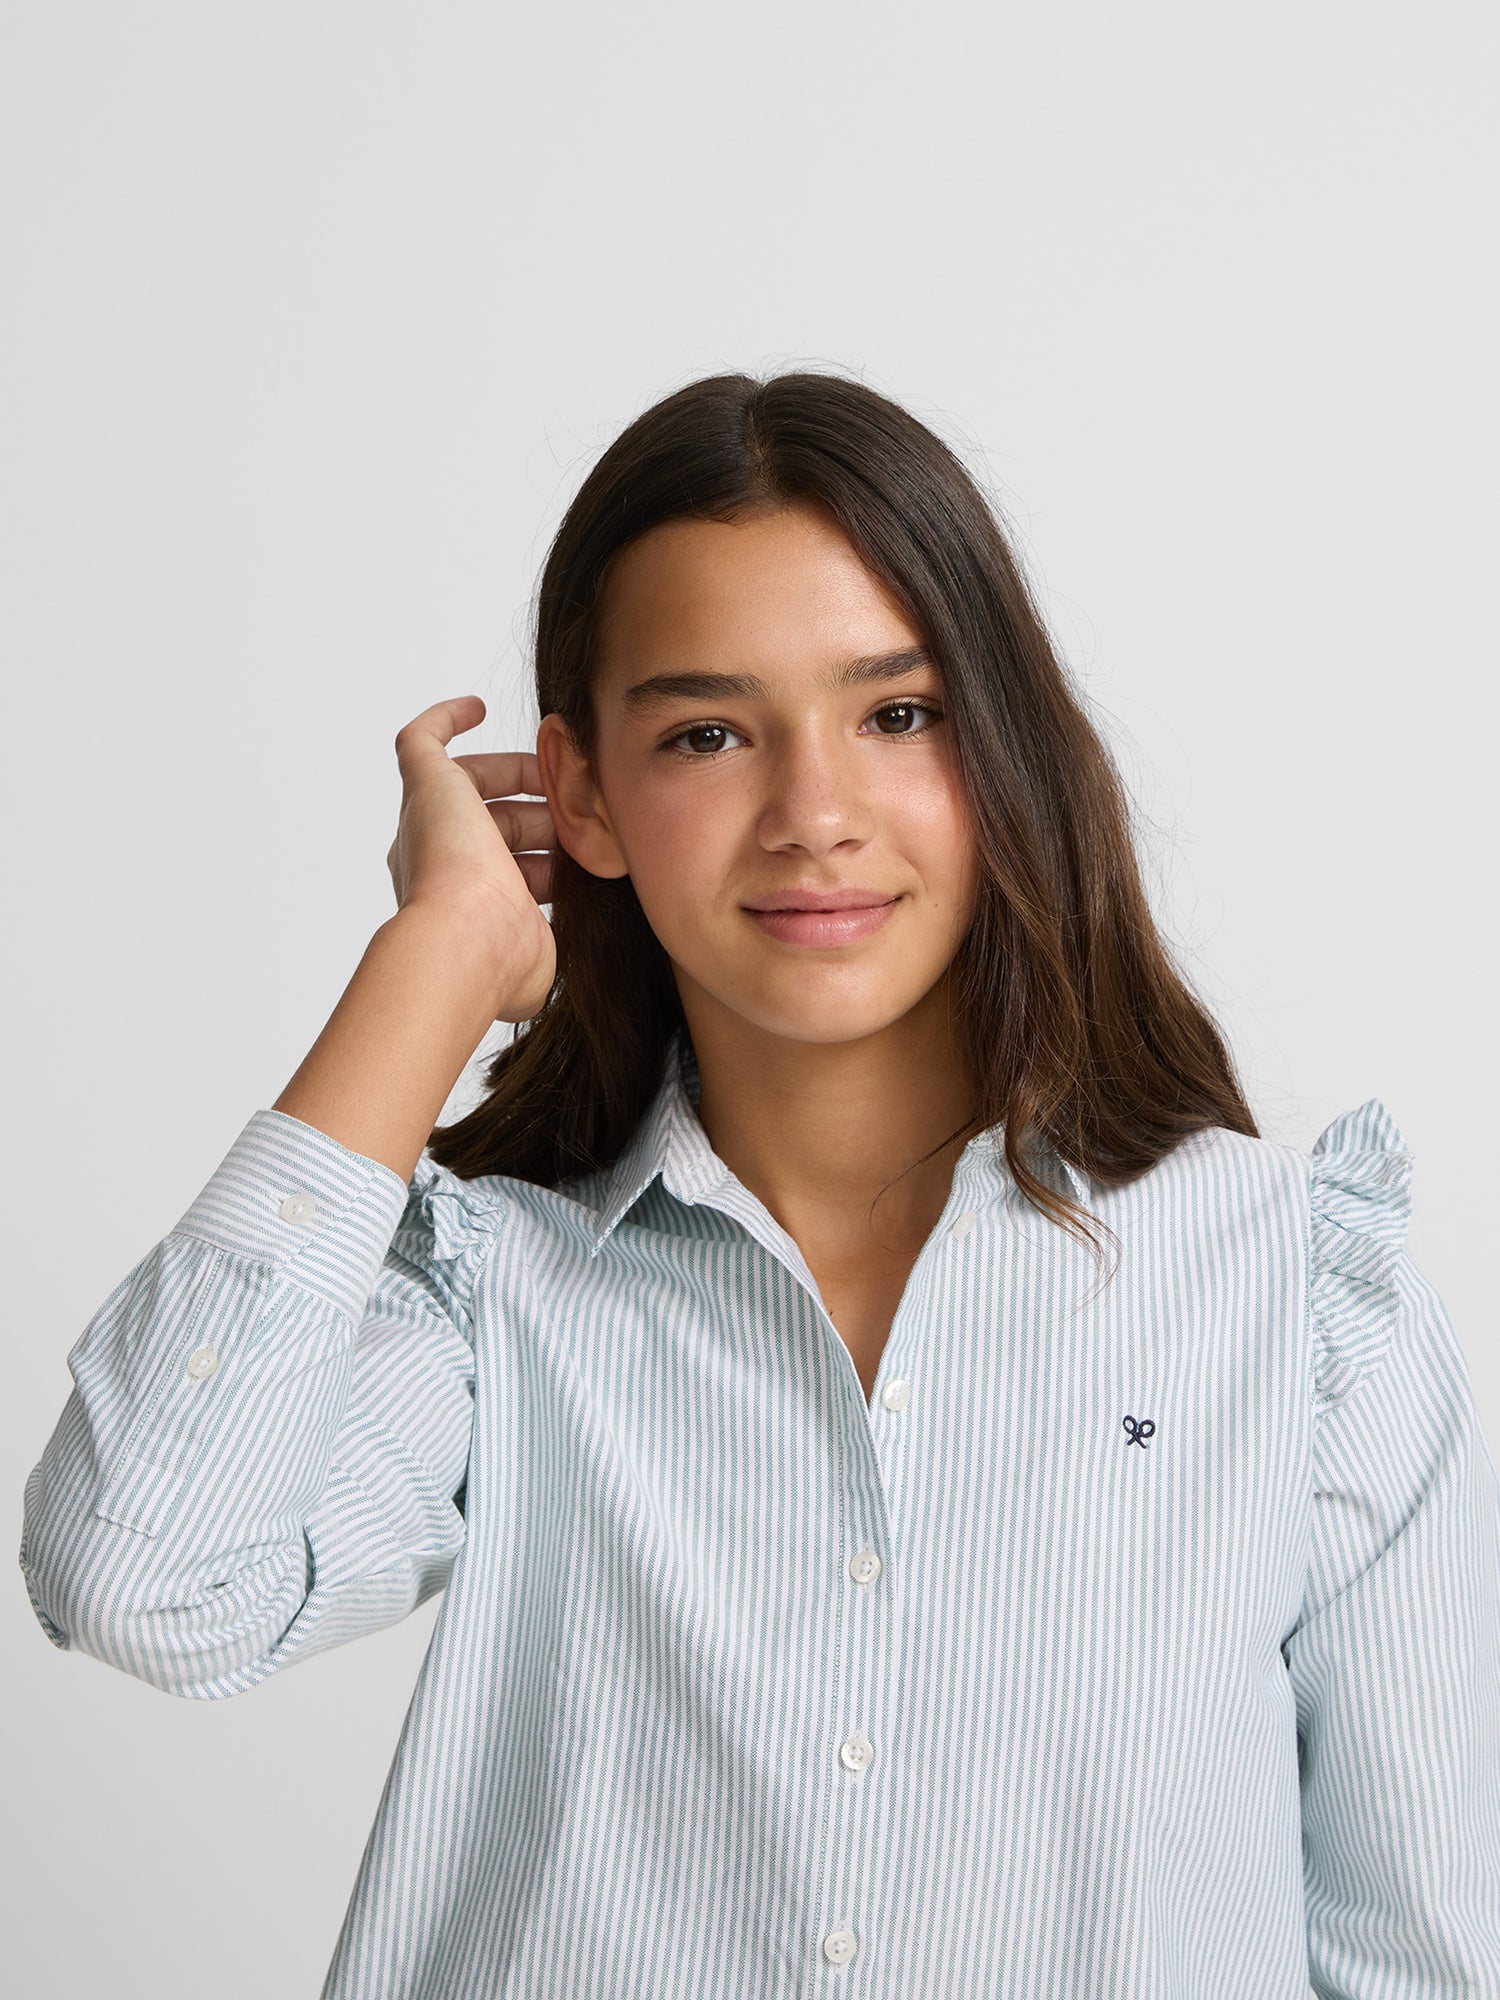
[[1360, 1197], [448, 1227]]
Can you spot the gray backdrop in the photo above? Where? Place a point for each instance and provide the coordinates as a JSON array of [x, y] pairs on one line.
[[315, 319]]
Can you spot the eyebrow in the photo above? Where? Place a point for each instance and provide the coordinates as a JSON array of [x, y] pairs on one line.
[[660, 689]]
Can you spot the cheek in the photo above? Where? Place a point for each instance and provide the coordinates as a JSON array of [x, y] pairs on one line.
[[931, 823], [675, 848]]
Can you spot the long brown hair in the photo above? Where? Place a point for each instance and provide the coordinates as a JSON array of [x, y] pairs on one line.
[[1073, 1018]]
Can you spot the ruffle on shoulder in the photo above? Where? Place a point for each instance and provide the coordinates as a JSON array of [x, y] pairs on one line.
[[1361, 1205], [460, 1216]]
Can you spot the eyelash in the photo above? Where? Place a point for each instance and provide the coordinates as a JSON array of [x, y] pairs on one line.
[[707, 756]]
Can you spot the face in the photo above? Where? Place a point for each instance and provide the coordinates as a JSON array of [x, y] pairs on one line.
[[741, 761]]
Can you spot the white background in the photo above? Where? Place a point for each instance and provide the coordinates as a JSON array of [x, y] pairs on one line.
[[316, 316]]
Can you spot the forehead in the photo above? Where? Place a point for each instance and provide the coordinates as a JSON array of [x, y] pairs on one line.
[[785, 587]]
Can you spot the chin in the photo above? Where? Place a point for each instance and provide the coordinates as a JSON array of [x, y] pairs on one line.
[[830, 1023], [825, 1004]]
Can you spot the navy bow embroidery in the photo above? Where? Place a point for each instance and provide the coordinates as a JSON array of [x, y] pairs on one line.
[[1139, 1432]]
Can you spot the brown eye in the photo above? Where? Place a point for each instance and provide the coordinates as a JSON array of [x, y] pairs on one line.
[[905, 709], [681, 744]]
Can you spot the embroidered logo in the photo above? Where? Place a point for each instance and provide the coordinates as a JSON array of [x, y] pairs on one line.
[[1139, 1432]]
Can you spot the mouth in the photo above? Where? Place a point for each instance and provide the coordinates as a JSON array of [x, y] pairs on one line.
[[844, 923], [846, 898]]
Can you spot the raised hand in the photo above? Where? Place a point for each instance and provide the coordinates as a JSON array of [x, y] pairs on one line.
[[469, 844]]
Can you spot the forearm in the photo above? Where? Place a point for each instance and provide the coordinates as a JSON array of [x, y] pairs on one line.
[[420, 1002]]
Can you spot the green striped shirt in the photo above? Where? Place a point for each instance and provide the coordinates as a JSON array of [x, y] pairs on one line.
[[1128, 1643]]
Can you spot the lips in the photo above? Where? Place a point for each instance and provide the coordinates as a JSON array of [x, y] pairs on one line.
[[823, 899], [845, 924]]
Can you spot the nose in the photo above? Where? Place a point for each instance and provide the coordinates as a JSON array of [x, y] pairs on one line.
[[815, 795]]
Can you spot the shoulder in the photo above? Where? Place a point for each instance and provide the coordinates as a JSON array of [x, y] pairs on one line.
[[1337, 1212], [1356, 1175]]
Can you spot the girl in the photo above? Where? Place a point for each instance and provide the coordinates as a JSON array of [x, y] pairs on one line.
[[842, 1591]]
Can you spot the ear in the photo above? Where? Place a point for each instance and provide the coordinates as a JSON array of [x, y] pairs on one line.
[[584, 829]]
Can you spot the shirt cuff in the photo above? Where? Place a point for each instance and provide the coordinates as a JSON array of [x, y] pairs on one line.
[[288, 1196]]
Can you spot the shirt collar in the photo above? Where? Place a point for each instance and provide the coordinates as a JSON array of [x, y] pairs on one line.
[[670, 1141]]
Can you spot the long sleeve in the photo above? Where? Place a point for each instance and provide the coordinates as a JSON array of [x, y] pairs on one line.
[[1395, 1659], [264, 1451]]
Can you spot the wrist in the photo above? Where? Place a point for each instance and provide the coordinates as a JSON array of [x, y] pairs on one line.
[[466, 943]]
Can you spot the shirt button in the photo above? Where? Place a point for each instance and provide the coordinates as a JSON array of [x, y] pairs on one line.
[[865, 1567], [839, 1947], [962, 1224], [896, 1395], [202, 1361], [299, 1208], [857, 1752]]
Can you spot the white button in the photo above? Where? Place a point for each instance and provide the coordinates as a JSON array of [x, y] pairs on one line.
[[839, 1947], [896, 1395], [857, 1752], [202, 1361], [299, 1208], [962, 1224], [865, 1567]]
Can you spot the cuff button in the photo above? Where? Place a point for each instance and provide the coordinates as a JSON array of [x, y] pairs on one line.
[[298, 1208]]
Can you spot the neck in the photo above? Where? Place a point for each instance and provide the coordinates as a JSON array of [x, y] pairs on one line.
[[817, 1130]]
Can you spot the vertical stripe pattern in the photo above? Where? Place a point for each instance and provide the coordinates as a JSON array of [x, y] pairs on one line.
[[1133, 1642]]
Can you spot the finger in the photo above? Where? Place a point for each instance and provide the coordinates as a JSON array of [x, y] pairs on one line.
[[501, 773], [420, 741], [523, 825]]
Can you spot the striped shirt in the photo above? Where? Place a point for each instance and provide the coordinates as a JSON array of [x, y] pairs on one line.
[[1130, 1642]]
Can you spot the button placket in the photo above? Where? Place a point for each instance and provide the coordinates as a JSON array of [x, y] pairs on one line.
[[896, 1394], [857, 1753], [853, 1844]]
